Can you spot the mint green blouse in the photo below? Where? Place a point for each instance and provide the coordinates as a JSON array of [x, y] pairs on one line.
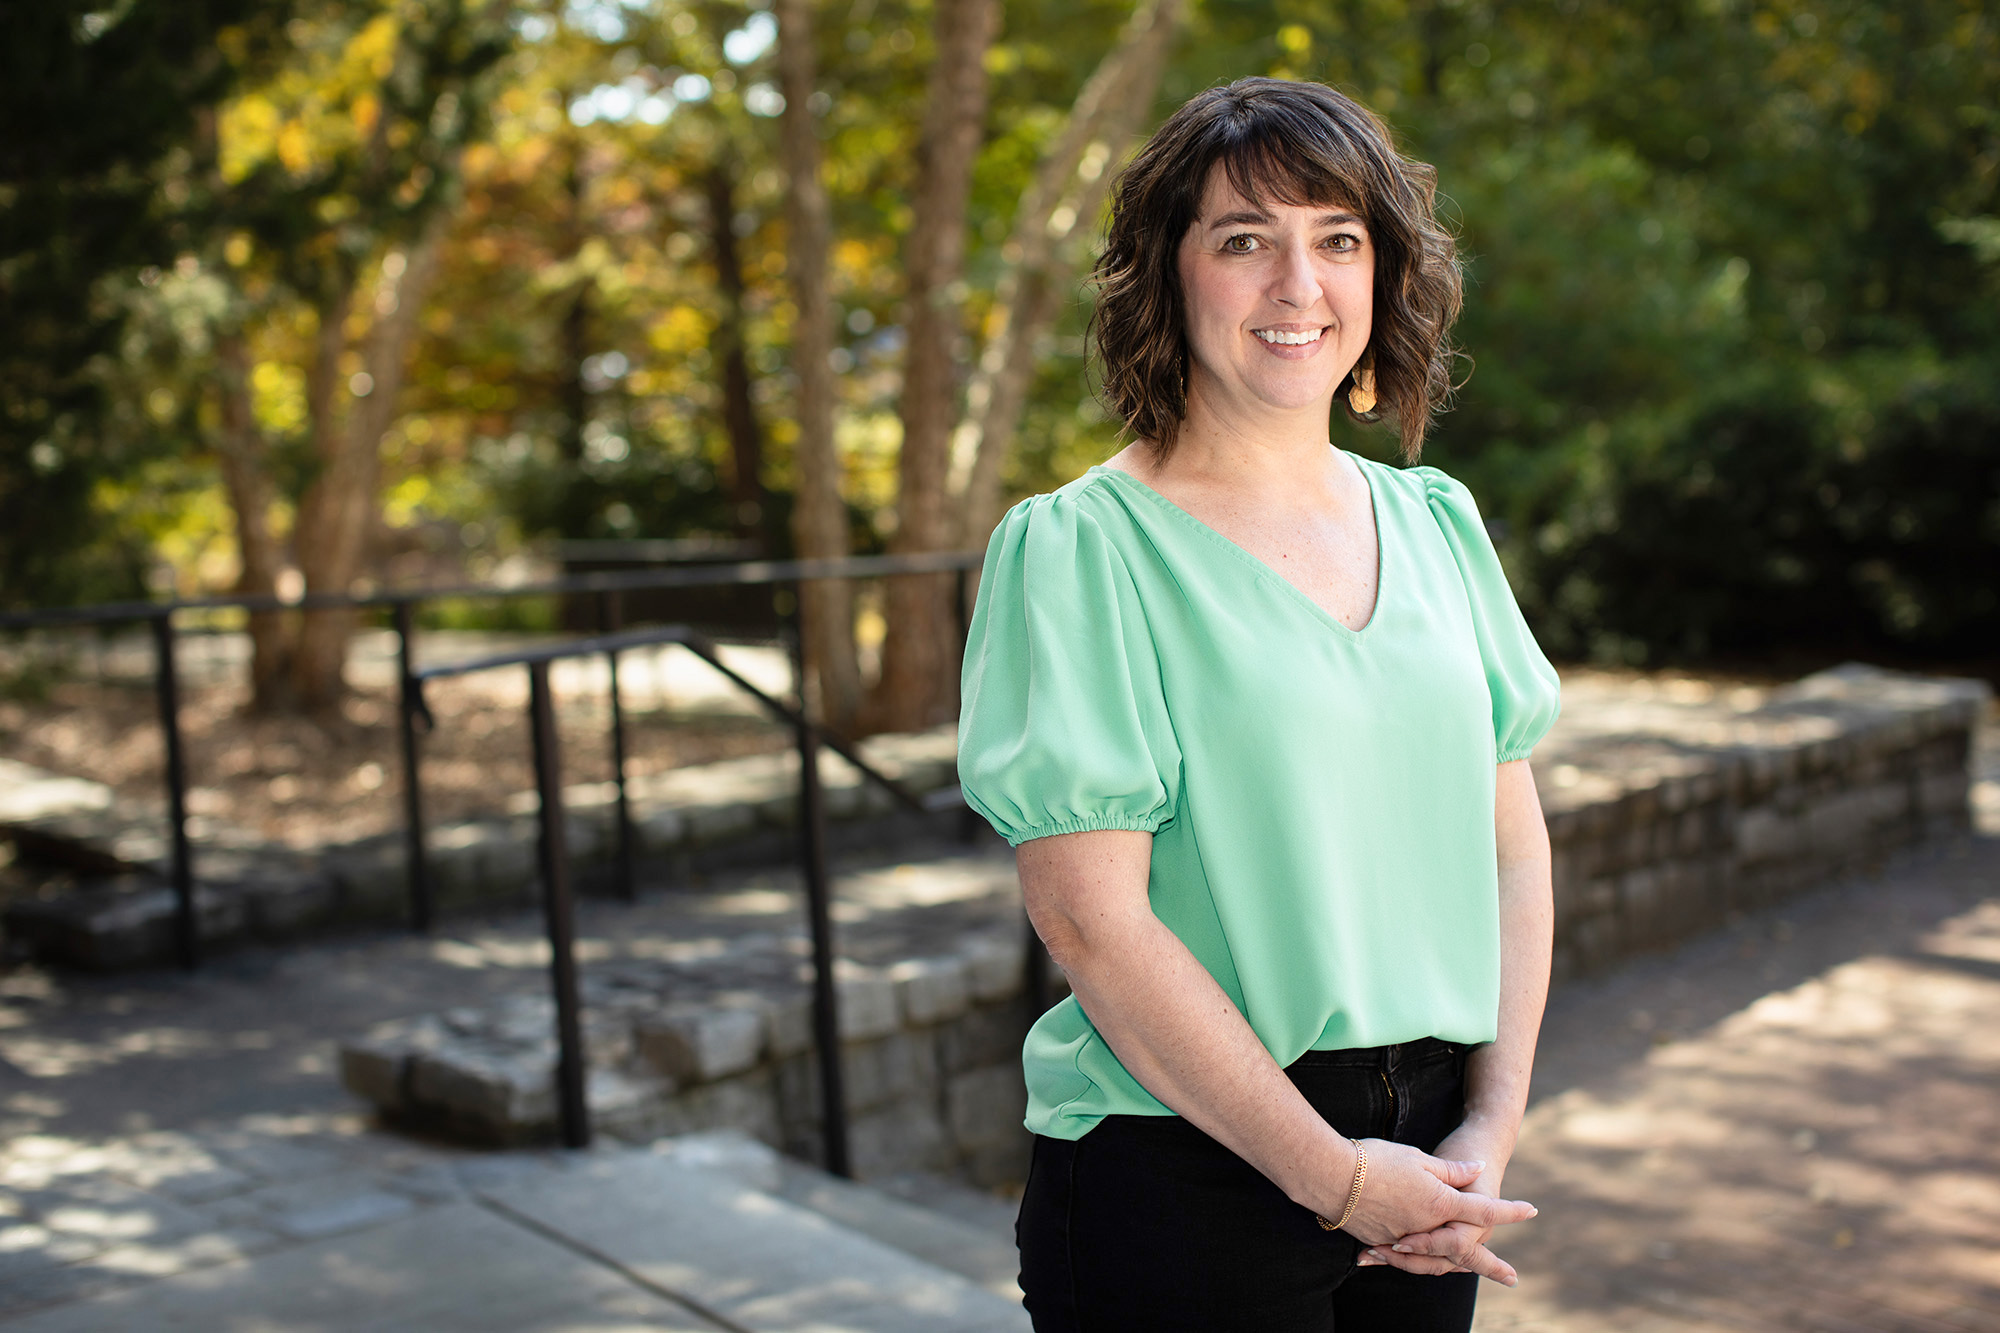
[[1320, 798]]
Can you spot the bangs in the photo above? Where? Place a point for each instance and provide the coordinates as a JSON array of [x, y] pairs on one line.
[[1291, 160]]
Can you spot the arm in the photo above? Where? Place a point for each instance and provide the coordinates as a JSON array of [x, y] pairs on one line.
[[1175, 1029], [1496, 1075]]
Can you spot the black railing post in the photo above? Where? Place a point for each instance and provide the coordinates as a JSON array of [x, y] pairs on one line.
[[610, 619], [819, 913], [410, 706], [187, 924], [559, 910]]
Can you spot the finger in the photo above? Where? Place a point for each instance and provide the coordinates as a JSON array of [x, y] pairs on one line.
[[1484, 1212], [1490, 1265], [1423, 1265], [1450, 1240], [1456, 1244], [1458, 1175]]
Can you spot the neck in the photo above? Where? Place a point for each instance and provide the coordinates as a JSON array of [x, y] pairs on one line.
[[1251, 445]]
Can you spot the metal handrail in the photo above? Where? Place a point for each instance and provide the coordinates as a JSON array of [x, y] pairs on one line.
[[401, 604], [559, 905], [747, 573]]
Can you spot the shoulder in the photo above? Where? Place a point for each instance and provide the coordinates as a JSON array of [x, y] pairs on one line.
[[1438, 487], [1449, 500], [1088, 511]]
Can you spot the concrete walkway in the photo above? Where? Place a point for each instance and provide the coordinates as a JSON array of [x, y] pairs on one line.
[[1791, 1124]]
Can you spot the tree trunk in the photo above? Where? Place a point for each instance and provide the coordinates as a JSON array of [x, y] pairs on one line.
[[919, 685], [739, 411], [819, 514], [340, 510], [1068, 189], [246, 475], [572, 513]]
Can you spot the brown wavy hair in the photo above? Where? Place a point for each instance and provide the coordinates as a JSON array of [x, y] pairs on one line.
[[1298, 143]]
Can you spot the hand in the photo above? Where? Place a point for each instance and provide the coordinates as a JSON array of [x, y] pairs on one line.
[[1412, 1198], [1456, 1246]]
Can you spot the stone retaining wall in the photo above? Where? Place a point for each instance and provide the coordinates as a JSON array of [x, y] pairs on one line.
[[1666, 816], [1658, 836], [685, 822], [931, 1055]]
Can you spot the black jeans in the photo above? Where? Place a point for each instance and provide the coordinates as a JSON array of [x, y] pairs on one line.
[[1147, 1224]]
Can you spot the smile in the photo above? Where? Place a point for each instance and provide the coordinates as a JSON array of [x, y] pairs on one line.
[[1283, 339]]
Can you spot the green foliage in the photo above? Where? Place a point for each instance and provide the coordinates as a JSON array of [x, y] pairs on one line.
[[522, 615], [1790, 519], [95, 102], [1733, 302]]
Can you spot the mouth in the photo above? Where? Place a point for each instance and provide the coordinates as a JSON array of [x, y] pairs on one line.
[[1289, 337]]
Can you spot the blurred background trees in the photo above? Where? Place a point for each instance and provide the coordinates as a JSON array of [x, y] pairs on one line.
[[308, 293]]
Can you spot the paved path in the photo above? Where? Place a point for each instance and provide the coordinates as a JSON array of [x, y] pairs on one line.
[[1793, 1125]]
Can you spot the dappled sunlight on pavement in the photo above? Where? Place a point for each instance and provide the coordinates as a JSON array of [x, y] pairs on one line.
[[1825, 1157]]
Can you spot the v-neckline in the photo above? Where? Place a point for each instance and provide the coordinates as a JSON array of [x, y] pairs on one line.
[[1266, 568]]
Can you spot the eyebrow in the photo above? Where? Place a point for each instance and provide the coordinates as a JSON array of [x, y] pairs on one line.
[[1240, 217]]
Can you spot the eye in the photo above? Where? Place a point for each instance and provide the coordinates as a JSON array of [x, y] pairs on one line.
[[1343, 241], [1248, 243]]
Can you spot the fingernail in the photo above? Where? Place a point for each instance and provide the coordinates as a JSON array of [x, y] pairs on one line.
[[1533, 1211], [1400, 1249]]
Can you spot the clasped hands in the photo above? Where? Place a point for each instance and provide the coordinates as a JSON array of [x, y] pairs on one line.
[[1432, 1215]]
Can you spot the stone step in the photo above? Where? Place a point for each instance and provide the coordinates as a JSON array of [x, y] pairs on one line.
[[961, 1230], [753, 1259], [701, 1018], [713, 1234], [459, 1268], [119, 910]]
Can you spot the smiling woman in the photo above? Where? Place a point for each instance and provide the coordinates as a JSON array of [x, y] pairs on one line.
[[1309, 148], [1255, 713]]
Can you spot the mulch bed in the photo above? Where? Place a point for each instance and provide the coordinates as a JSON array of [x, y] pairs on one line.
[[305, 784]]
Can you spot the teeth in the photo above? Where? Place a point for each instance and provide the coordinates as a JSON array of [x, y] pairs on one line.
[[1288, 339]]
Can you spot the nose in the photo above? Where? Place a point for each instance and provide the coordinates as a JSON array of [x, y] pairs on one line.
[[1294, 283]]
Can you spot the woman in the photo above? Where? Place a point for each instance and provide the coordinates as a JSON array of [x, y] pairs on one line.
[[1255, 713]]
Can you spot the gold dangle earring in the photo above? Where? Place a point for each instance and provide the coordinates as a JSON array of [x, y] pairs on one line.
[[1361, 394]]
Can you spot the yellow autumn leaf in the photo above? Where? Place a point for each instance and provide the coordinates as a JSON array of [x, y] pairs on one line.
[[294, 147], [374, 47], [681, 330]]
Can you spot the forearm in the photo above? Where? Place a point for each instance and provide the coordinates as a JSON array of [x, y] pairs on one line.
[[1497, 1074], [1179, 1035]]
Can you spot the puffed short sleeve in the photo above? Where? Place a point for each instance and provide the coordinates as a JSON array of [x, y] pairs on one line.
[[1526, 693], [1063, 726]]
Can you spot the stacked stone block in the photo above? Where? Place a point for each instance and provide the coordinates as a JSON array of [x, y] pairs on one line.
[[685, 821], [1658, 837], [930, 1054]]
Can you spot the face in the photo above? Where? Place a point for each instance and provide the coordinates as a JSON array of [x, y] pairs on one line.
[[1279, 300]]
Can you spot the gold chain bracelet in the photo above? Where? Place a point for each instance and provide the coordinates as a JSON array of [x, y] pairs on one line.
[[1353, 1191]]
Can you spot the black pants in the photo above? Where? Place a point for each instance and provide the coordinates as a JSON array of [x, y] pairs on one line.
[[1149, 1225]]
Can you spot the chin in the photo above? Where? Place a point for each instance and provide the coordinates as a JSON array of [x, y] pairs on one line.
[[1295, 397]]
